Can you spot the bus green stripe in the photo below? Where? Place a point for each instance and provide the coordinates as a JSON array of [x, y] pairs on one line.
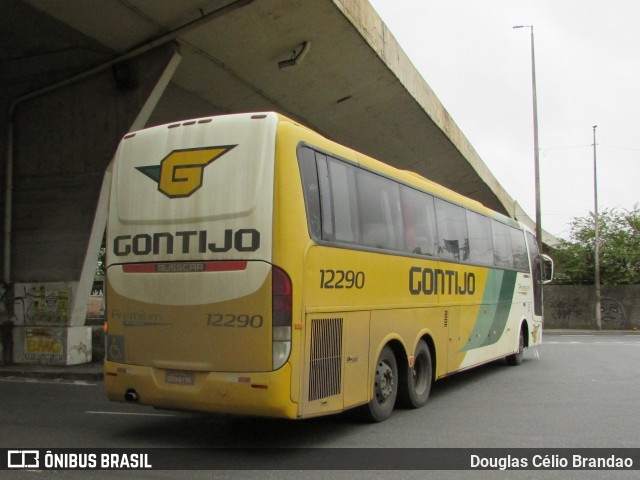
[[492, 317]]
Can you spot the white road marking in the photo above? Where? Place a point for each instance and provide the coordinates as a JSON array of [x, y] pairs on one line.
[[55, 381], [94, 412], [599, 342]]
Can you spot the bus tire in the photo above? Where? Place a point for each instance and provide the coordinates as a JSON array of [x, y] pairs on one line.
[[415, 385], [385, 387], [516, 358]]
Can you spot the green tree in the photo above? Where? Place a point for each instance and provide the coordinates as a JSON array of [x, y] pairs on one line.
[[619, 249], [100, 266]]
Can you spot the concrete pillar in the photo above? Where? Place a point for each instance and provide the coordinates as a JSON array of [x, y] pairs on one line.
[[63, 144]]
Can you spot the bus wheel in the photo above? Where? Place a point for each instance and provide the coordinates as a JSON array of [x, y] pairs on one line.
[[516, 358], [416, 384], [385, 387]]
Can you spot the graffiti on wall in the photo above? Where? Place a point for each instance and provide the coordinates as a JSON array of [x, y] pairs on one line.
[[573, 306], [612, 313], [566, 309], [573, 311], [44, 344]]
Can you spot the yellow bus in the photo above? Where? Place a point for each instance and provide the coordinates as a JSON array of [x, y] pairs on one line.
[[255, 267]]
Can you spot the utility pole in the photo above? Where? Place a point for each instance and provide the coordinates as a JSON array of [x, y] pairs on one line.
[[536, 147], [596, 234]]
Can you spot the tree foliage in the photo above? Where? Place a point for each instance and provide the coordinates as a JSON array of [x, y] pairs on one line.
[[619, 232], [100, 267]]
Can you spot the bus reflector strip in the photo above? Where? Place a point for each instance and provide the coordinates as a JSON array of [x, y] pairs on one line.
[[186, 267], [238, 379], [246, 380]]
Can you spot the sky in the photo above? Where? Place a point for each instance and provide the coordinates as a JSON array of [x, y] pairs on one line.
[[587, 63]]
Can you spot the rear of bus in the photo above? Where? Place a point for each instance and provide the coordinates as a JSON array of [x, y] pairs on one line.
[[198, 317]]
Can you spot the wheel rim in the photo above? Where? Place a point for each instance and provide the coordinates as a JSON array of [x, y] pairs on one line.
[[385, 382]]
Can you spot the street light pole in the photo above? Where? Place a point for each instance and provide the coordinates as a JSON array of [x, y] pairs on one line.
[[536, 148], [596, 234]]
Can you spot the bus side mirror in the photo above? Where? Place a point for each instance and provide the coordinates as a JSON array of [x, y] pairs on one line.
[[547, 268]]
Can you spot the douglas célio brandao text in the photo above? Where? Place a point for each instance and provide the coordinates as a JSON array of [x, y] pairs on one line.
[[550, 462]]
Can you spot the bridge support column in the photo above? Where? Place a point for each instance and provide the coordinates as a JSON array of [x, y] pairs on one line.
[[45, 335], [57, 209]]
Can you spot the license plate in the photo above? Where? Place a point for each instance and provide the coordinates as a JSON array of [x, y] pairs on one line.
[[180, 378]]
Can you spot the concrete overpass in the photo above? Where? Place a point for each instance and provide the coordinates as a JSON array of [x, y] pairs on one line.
[[76, 76]]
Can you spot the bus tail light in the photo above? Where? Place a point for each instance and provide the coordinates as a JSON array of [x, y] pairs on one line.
[[281, 317]]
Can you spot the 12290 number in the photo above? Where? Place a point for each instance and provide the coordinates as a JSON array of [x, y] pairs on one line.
[[230, 320], [341, 279]]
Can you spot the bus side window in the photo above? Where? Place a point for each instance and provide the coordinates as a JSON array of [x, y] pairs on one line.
[[533, 252], [419, 222], [343, 196], [311, 187], [480, 242], [453, 240], [502, 250], [380, 212], [519, 247], [326, 198]]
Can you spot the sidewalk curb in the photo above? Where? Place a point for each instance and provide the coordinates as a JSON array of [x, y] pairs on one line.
[[567, 331], [92, 372]]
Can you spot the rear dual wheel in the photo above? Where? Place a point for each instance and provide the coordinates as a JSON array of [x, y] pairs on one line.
[[385, 387], [416, 385], [411, 389]]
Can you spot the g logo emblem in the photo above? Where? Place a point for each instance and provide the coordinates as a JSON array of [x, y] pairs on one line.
[[181, 172]]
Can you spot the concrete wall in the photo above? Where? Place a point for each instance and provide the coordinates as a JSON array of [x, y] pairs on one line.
[[573, 306], [63, 143]]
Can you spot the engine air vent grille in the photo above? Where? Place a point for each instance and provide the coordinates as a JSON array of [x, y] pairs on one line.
[[326, 358]]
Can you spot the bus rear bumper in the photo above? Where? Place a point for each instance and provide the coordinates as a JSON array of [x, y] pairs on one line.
[[262, 394]]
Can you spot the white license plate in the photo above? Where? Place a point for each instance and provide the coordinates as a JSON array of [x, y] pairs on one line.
[[180, 378]]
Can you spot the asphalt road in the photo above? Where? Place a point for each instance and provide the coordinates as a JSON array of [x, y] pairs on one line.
[[575, 391]]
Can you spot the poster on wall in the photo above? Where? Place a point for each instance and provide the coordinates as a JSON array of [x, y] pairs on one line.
[[44, 344], [51, 307]]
